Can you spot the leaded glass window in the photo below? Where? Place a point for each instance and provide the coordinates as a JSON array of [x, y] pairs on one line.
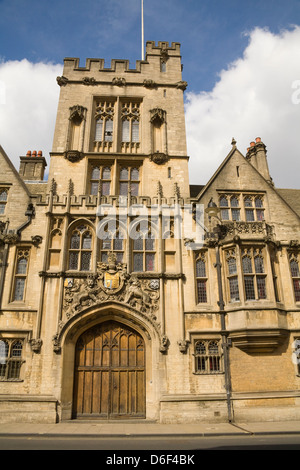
[[254, 274], [232, 276], [144, 251], [100, 180], [129, 179], [10, 359], [20, 274], [113, 242], [295, 272], [3, 200], [80, 249], [201, 278], [130, 119], [208, 357]]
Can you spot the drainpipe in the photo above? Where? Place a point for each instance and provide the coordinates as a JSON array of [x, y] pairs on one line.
[[217, 235], [30, 212], [225, 344]]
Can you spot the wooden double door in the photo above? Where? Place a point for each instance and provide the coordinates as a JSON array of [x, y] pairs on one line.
[[109, 373]]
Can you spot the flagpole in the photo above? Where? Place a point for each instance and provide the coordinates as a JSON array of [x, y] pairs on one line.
[[143, 56]]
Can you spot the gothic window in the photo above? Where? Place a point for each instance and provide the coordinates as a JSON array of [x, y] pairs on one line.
[[201, 278], [129, 180], [80, 249], [104, 125], [208, 357], [254, 274], [232, 276], [295, 272], [100, 180], [10, 359], [113, 241], [144, 251], [130, 123], [230, 209], [3, 200], [20, 274]]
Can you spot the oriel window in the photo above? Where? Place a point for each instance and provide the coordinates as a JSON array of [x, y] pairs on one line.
[[232, 276], [254, 274]]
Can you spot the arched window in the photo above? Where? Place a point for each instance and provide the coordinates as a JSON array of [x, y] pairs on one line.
[[80, 249], [201, 278], [113, 241], [232, 276], [20, 274], [295, 272], [208, 357]]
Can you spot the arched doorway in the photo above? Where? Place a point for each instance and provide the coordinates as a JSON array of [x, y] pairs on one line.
[[109, 379]]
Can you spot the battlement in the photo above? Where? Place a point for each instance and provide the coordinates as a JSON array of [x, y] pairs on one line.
[[162, 50]]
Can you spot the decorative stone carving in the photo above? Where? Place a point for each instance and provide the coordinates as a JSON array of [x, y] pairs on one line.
[[157, 114], [36, 345], [37, 240], [159, 158], [119, 81], [183, 346], [62, 81], [164, 344], [73, 156], [9, 238], [77, 112], [89, 81], [148, 83], [112, 282], [182, 85]]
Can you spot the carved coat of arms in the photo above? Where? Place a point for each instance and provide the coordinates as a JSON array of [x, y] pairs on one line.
[[112, 282]]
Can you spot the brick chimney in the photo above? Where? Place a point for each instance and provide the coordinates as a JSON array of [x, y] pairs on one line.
[[257, 156], [32, 167]]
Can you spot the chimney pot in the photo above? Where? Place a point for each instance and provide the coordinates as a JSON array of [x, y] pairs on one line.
[[28, 154], [34, 153], [252, 144], [40, 153], [257, 140]]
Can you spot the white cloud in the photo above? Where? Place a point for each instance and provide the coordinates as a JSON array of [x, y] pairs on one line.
[[28, 104], [254, 97]]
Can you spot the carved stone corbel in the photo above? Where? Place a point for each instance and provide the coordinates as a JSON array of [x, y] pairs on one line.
[[119, 81], [36, 345], [62, 81], [159, 158]]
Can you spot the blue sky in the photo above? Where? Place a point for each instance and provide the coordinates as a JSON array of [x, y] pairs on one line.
[[219, 40], [212, 33]]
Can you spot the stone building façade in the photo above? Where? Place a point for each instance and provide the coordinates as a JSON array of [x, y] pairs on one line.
[[108, 308]]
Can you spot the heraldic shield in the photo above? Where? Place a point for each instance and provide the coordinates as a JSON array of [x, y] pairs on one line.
[[111, 280]]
